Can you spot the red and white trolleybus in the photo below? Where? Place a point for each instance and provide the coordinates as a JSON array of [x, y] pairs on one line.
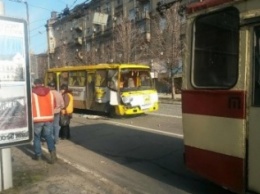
[[221, 92]]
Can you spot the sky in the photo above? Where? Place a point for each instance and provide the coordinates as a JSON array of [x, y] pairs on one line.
[[39, 12]]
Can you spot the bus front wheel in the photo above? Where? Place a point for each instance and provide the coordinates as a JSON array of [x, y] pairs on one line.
[[111, 111]]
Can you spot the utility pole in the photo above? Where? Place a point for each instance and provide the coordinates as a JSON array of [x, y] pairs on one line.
[[27, 9]]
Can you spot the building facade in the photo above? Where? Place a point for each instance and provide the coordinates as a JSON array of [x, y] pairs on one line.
[[90, 32], [120, 31]]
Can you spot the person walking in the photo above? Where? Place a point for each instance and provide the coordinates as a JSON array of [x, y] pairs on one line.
[[43, 115], [59, 105], [66, 112]]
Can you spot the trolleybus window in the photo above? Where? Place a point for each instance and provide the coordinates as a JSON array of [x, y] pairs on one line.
[[215, 49], [256, 99]]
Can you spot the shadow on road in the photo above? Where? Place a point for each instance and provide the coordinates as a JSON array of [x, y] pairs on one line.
[[157, 156]]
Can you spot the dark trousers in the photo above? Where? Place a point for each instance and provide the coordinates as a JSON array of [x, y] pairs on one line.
[[65, 132]]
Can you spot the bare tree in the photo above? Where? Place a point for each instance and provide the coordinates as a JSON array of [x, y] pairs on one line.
[[128, 41], [165, 41], [62, 56]]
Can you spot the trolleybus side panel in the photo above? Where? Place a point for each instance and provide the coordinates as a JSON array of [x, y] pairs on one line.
[[219, 155], [220, 113]]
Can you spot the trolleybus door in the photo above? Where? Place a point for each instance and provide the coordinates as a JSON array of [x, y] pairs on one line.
[[254, 119]]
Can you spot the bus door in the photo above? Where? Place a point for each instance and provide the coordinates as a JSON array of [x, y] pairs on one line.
[[90, 96], [254, 119], [101, 89], [52, 78]]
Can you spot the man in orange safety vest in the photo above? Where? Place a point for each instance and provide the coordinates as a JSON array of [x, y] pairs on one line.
[[43, 115]]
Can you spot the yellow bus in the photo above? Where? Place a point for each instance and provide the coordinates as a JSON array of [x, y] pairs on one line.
[[116, 89]]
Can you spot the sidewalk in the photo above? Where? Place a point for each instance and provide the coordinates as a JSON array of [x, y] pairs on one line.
[[167, 98], [31, 177]]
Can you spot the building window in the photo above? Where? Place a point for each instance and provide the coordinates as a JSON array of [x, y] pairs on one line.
[[88, 47], [146, 7], [131, 14], [98, 9], [142, 28], [162, 24], [88, 30]]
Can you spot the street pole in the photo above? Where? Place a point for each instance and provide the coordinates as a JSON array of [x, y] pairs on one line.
[[6, 171], [27, 9]]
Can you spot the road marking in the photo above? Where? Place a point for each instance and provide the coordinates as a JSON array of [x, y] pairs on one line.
[[146, 129], [164, 115]]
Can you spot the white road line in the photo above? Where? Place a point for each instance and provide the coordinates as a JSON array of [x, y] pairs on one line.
[[146, 129], [164, 115]]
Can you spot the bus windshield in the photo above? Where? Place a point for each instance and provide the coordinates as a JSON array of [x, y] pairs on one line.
[[134, 79]]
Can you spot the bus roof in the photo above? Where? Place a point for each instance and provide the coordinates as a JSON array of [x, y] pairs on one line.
[[99, 66]]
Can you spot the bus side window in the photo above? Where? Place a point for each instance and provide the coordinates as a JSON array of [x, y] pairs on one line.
[[71, 80], [101, 78], [76, 81], [82, 81], [112, 79], [98, 80], [51, 78], [64, 78]]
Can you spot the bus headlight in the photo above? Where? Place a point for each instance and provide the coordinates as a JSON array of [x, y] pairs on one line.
[[127, 99]]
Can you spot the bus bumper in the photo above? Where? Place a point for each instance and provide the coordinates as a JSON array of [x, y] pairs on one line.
[[124, 110]]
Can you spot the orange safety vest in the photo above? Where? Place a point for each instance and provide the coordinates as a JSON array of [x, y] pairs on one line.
[[43, 108], [69, 108]]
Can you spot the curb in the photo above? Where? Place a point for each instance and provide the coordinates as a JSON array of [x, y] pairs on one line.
[[169, 101]]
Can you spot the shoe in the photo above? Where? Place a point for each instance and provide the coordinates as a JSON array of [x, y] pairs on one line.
[[37, 158], [56, 142], [43, 141], [53, 157]]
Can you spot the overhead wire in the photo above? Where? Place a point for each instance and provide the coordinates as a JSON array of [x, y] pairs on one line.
[[73, 3], [43, 32]]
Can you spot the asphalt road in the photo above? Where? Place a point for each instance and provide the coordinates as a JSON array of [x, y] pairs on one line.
[[134, 155], [141, 154]]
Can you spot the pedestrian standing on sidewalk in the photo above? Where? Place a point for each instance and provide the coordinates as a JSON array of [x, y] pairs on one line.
[[66, 112], [43, 114], [59, 105]]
